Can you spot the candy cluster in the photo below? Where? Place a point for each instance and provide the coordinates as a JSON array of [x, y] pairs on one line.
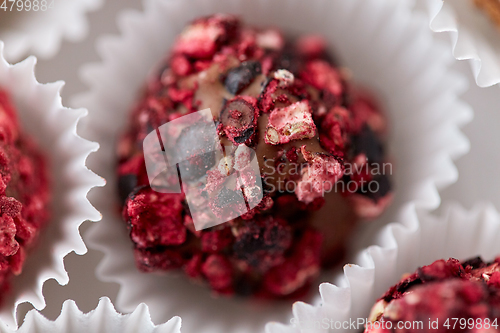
[[290, 107]]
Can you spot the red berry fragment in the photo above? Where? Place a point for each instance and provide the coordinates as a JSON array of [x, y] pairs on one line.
[[156, 218], [293, 122]]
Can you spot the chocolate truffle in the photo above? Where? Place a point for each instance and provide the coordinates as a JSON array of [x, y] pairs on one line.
[[317, 140], [445, 296], [24, 193]]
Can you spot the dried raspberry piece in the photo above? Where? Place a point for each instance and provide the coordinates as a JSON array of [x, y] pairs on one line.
[[8, 244], [156, 218], [290, 123], [323, 76], [202, 38], [181, 65], [440, 291], [319, 177]]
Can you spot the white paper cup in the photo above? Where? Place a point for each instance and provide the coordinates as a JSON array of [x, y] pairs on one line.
[[475, 38], [385, 46], [104, 319], [456, 233], [53, 128], [40, 32]]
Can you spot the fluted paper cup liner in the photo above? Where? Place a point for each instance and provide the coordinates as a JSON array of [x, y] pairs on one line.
[[424, 238], [474, 37], [38, 27], [104, 319], [385, 46], [53, 128]]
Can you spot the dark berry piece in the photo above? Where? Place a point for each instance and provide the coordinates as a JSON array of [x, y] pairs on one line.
[[288, 60], [239, 118], [237, 113], [245, 135], [475, 263], [384, 187], [126, 184], [240, 77], [262, 242], [150, 260], [369, 144]]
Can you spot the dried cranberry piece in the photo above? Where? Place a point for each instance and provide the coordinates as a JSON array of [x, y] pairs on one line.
[[240, 77]]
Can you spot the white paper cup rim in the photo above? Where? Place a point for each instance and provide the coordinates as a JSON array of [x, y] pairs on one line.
[[455, 233], [53, 127], [103, 319], [474, 37]]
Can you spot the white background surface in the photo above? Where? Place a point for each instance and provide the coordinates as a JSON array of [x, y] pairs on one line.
[[479, 171]]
